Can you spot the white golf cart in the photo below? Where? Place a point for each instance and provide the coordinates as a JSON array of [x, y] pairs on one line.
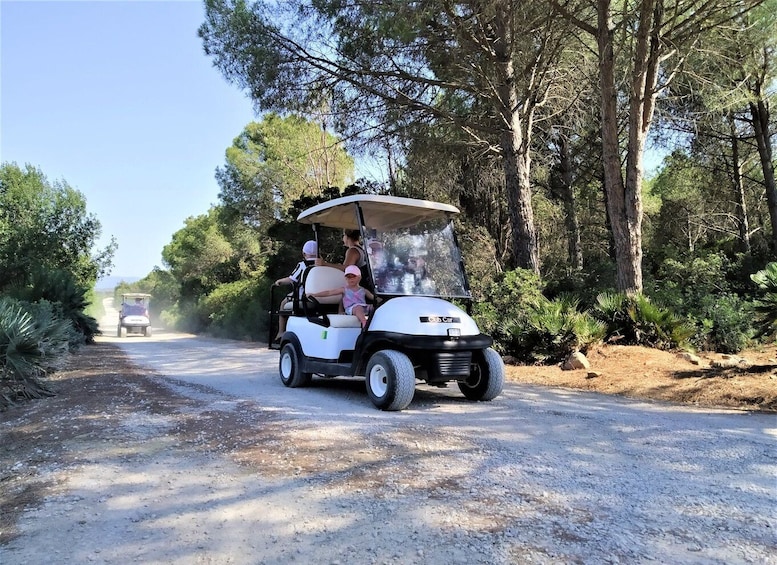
[[133, 315], [416, 332]]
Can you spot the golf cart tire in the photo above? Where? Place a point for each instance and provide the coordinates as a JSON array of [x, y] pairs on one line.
[[118, 331], [487, 378], [290, 368], [122, 331], [390, 380], [147, 331]]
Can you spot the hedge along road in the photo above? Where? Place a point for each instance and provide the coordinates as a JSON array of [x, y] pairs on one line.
[[537, 475]]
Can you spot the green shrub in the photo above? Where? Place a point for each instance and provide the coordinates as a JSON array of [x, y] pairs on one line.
[[34, 340], [723, 323], [635, 320], [766, 303], [238, 310], [506, 299], [69, 298], [551, 330], [708, 292]]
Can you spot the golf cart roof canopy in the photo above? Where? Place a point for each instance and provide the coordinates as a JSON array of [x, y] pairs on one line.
[[380, 212], [135, 295]]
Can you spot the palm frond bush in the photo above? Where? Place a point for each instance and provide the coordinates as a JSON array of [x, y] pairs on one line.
[[635, 320], [70, 299], [33, 342], [766, 303], [552, 329]]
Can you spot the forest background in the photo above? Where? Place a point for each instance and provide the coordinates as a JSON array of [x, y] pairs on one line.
[[532, 117]]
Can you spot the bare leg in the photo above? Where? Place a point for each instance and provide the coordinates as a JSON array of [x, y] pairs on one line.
[[358, 311], [282, 319]]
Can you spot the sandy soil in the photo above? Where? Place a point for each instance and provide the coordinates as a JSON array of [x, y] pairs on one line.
[[746, 381]]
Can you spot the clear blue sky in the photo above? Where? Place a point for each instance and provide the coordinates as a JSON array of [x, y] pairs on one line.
[[118, 100]]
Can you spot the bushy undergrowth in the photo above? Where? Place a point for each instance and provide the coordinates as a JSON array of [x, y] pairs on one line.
[[635, 320], [766, 302], [34, 340], [551, 330], [528, 326], [708, 292], [238, 310]]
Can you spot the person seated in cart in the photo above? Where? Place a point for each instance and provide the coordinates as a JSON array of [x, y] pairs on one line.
[[309, 254], [355, 297]]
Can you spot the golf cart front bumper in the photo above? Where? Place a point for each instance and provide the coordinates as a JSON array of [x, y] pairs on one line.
[[441, 358]]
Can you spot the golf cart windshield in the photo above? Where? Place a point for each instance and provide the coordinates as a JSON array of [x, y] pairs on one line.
[[410, 243], [422, 259]]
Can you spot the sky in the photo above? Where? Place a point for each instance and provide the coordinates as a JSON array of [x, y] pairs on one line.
[[118, 100]]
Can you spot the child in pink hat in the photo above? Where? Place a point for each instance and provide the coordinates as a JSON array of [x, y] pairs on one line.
[[354, 296]]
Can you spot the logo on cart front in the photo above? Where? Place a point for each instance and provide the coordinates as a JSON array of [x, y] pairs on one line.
[[440, 319]]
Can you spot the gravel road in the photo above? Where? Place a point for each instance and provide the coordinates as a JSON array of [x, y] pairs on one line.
[[536, 476]]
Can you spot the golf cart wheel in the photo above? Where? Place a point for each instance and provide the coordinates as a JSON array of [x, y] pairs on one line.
[[390, 380], [147, 331], [487, 378], [118, 331], [289, 367]]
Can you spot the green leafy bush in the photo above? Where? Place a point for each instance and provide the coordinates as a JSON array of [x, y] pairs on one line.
[[635, 320], [34, 340], [766, 304], [723, 323], [68, 297], [705, 292], [552, 329], [507, 299], [238, 310]]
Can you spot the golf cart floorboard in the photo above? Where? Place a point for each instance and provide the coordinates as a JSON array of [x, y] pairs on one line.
[[328, 368]]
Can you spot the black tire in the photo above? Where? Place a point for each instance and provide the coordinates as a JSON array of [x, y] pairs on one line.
[[487, 378], [118, 331], [390, 380], [289, 368]]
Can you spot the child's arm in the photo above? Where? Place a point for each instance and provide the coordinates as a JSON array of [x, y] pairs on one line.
[[330, 292], [369, 295], [284, 280]]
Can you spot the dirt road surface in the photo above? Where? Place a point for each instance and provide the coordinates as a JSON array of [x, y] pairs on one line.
[[239, 469]]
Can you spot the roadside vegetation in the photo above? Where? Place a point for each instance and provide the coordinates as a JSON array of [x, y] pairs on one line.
[[568, 242], [48, 267]]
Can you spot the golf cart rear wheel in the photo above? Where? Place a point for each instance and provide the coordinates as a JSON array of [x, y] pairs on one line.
[[289, 367], [390, 380], [487, 378], [118, 331]]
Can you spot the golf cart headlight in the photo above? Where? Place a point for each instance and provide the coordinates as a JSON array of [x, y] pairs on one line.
[[454, 333]]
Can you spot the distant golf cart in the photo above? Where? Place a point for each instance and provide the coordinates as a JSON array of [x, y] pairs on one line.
[[133, 315], [416, 331]]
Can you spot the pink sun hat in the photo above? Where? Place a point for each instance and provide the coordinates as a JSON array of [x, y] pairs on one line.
[[353, 270]]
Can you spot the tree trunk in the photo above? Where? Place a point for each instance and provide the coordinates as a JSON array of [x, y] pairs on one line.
[[624, 203], [516, 158], [561, 185], [517, 166], [739, 188], [760, 115]]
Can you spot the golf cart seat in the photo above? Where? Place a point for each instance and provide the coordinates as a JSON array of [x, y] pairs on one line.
[[321, 278]]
